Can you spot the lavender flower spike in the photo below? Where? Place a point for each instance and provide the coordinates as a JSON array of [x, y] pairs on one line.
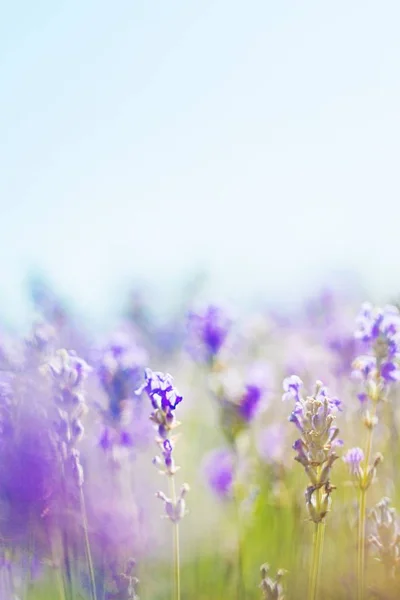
[[68, 373], [314, 417], [164, 399], [379, 330], [208, 331]]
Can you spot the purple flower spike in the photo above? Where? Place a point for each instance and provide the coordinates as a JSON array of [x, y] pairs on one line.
[[208, 331], [314, 417], [379, 330], [291, 387], [161, 390], [363, 367], [354, 458], [119, 369], [164, 399]]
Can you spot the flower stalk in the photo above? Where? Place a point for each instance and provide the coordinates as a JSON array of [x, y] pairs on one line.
[[314, 417], [378, 330], [164, 399]]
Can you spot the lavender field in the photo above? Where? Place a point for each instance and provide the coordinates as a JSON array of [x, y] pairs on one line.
[[212, 457], [199, 300]]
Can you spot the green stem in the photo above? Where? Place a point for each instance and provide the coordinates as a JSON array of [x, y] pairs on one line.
[[361, 545], [60, 584], [177, 577], [316, 560], [362, 514], [55, 543], [67, 570], [87, 547], [177, 562], [241, 590]]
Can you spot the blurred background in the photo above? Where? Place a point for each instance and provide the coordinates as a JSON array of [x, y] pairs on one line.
[[253, 145]]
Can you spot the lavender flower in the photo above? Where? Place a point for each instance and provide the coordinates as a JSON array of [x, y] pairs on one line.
[[379, 330], [119, 370], [218, 468], [164, 399], [68, 373], [249, 402], [314, 417], [291, 387], [363, 475], [208, 331], [354, 457], [239, 399]]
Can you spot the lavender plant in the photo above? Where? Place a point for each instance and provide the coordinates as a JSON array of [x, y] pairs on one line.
[[208, 330], [376, 369], [314, 417], [68, 373], [165, 398], [385, 536], [74, 500]]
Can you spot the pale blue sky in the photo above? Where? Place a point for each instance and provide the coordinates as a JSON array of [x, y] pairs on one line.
[[144, 137]]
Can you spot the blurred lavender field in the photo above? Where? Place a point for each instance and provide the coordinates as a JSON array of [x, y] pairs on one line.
[[199, 293], [83, 414]]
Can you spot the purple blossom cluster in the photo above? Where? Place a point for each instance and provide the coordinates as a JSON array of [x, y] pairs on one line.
[[68, 373], [164, 399], [379, 331], [208, 331], [119, 370]]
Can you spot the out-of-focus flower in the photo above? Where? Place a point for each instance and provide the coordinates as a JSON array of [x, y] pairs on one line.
[[125, 583], [249, 402], [379, 330], [271, 443], [218, 468], [271, 588], [208, 331], [119, 369], [353, 458], [41, 337], [291, 387], [240, 398], [68, 373], [255, 391], [386, 535]]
